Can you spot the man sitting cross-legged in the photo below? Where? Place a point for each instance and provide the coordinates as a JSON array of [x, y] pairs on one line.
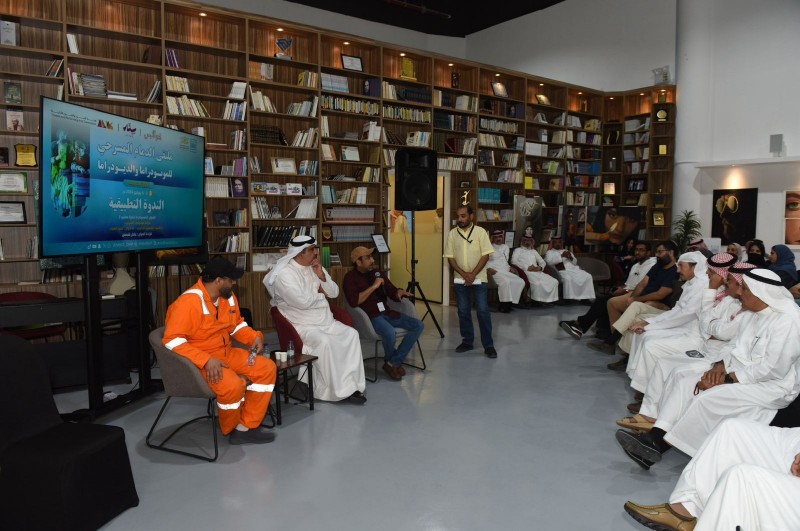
[[544, 288]]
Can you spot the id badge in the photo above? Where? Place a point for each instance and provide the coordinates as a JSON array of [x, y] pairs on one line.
[[381, 307]]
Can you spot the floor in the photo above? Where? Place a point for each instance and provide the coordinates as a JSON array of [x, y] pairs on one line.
[[525, 441]]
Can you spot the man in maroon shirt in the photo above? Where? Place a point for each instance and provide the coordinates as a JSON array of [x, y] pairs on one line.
[[370, 290]]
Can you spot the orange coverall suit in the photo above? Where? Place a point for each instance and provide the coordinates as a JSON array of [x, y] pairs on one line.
[[197, 329]]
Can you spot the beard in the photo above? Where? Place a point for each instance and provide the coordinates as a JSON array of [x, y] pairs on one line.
[[226, 293], [664, 259], [463, 224]]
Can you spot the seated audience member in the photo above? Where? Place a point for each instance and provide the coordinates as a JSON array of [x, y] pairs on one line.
[[544, 288], [759, 377], [781, 261], [745, 476], [720, 318], [299, 287], [598, 312], [736, 250], [509, 285], [577, 283], [672, 333], [756, 253], [626, 256], [200, 325], [699, 245], [370, 290]]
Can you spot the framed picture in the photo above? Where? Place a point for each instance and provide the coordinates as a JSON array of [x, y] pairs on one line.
[[734, 214], [283, 165], [12, 212], [465, 184], [658, 218], [499, 89], [542, 99], [509, 239], [294, 189], [350, 153], [791, 218], [351, 62], [380, 244], [238, 187], [222, 219], [13, 183]]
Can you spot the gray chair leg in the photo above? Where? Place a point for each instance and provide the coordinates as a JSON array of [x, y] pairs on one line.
[[211, 414], [421, 357]]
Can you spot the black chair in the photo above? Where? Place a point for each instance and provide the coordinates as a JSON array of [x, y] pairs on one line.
[[54, 475]]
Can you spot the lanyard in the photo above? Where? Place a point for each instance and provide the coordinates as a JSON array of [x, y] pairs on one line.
[[467, 239]]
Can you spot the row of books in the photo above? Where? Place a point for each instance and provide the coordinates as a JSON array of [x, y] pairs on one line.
[[639, 153], [343, 104], [218, 187], [454, 144], [500, 126], [453, 122], [509, 160], [234, 243], [186, 106], [308, 79], [590, 168], [634, 124], [487, 214], [348, 213], [412, 94], [234, 110], [541, 118], [306, 138], [261, 102], [418, 139], [630, 139], [354, 195], [268, 134], [172, 58], [238, 139], [493, 195], [460, 102], [261, 209], [303, 108], [334, 82], [581, 198], [409, 114], [491, 140], [552, 167], [504, 108], [576, 152], [177, 83], [275, 236], [54, 70], [160, 271], [351, 233], [258, 187], [586, 181], [456, 163], [230, 218]]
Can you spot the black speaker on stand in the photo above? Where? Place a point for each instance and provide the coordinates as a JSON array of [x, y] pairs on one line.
[[415, 189]]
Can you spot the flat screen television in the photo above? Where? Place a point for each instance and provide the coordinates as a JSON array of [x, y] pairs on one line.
[[112, 184]]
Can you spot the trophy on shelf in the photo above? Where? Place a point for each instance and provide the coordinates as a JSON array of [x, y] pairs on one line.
[[465, 197], [407, 69], [284, 45]]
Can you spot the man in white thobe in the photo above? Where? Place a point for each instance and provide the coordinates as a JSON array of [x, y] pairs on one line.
[[543, 287], [720, 320], [746, 475], [299, 287], [760, 377], [669, 334], [576, 282], [509, 285], [692, 270]]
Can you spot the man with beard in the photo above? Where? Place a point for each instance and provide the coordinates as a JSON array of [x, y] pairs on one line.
[[509, 284], [200, 325], [467, 250], [544, 288]]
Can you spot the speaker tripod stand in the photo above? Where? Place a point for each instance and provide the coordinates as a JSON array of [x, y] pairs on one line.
[[413, 284]]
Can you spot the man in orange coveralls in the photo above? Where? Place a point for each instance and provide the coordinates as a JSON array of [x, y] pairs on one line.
[[200, 326]]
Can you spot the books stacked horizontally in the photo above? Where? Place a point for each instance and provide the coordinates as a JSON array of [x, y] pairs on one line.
[[267, 134], [116, 95]]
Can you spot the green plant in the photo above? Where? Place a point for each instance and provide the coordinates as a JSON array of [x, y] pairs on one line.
[[685, 228]]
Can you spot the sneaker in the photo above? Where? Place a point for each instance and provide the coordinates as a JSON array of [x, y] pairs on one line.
[[254, 436], [463, 347], [490, 352], [571, 328]]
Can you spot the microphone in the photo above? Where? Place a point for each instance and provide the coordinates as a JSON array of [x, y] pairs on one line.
[[383, 286]]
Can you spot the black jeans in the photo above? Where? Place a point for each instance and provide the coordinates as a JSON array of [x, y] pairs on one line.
[[598, 313]]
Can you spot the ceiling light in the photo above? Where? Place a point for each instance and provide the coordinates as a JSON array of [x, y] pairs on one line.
[[663, 90], [541, 84], [449, 64], [611, 97], [203, 14], [641, 94], [497, 75], [580, 93], [402, 54], [280, 29], [346, 43]]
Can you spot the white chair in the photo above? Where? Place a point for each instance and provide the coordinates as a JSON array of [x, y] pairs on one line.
[[367, 333]]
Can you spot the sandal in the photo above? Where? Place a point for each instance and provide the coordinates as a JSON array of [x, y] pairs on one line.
[[636, 422]]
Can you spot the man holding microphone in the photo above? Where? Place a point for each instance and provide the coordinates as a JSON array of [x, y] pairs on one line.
[[368, 288]]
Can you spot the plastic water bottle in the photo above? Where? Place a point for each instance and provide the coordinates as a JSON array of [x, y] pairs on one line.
[[290, 349], [251, 359]]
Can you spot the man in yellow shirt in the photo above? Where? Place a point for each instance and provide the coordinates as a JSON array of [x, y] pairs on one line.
[[468, 249]]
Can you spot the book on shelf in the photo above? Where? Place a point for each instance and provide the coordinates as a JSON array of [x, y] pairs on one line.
[[371, 132], [9, 33], [172, 58], [328, 152], [12, 92], [608, 201], [55, 68], [238, 89], [117, 95], [72, 44], [609, 188], [308, 79], [305, 209], [267, 71], [155, 93]]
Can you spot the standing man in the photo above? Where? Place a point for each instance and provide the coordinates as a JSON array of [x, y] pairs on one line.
[[467, 250], [577, 283], [370, 290], [509, 285], [544, 288], [299, 287], [200, 326]]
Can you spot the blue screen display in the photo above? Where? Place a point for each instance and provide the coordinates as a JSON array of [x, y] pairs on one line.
[[112, 184]]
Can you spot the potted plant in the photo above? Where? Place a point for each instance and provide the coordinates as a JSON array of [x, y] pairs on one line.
[[685, 228]]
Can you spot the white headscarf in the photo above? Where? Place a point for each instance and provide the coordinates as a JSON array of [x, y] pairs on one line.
[[767, 286], [296, 246], [697, 258]]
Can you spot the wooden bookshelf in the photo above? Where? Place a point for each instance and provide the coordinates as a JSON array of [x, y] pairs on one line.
[[492, 139]]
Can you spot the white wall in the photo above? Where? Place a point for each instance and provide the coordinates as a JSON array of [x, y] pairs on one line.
[[738, 82], [608, 45], [452, 46]]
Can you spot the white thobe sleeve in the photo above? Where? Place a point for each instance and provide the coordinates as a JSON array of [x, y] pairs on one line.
[[552, 257], [685, 309], [520, 259], [538, 260], [720, 323], [330, 287], [774, 356], [293, 288]]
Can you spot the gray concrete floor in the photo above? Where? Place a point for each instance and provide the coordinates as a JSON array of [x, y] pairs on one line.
[[525, 441]]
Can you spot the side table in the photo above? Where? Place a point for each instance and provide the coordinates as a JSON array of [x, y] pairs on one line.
[[283, 380]]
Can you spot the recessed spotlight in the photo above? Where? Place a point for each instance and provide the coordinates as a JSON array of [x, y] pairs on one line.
[[541, 84], [449, 64], [346, 43], [280, 29], [203, 14], [580, 93], [497, 75], [663, 90], [611, 97], [641, 94]]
